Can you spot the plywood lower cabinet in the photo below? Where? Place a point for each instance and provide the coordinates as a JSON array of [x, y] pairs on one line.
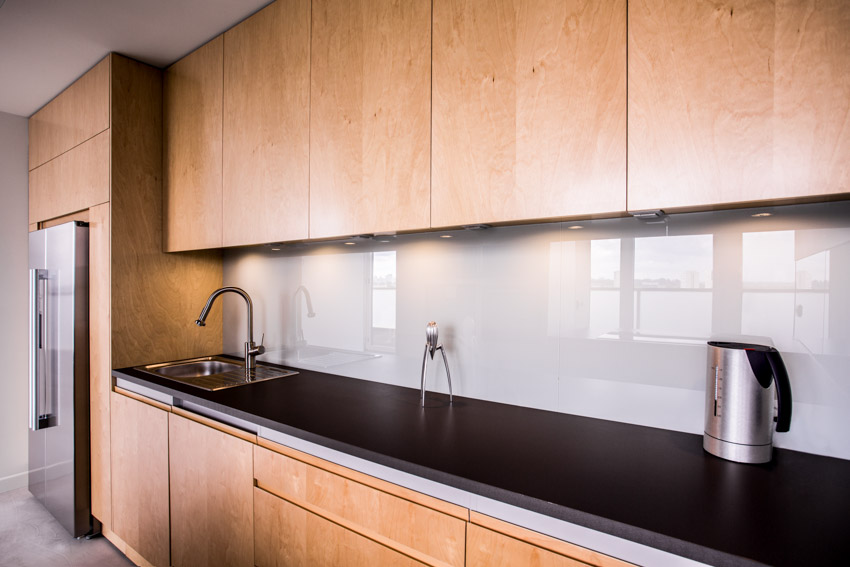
[[494, 543], [212, 521], [304, 504], [140, 479]]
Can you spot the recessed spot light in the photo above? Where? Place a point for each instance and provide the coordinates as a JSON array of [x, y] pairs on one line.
[[762, 215], [575, 227], [276, 249], [445, 236], [349, 243], [383, 241]]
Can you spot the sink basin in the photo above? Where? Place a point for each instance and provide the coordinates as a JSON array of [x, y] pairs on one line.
[[213, 373]]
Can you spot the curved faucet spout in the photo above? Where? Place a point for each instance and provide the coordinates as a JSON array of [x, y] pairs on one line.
[[251, 350]]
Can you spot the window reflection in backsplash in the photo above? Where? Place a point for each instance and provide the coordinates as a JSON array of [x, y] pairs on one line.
[[608, 320]]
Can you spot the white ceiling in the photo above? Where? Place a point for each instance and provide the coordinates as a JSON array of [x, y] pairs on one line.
[[46, 44]]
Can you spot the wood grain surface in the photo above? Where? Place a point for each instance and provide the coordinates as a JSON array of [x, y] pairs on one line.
[[266, 125], [76, 180], [529, 110], [212, 510], [413, 525], [494, 542], [192, 157], [701, 80], [155, 296], [812, 98], [100, 380], [140, 509], [77, 114], [369, 116], [291, 534]]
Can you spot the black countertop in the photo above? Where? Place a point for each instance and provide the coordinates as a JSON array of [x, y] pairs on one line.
[[652, 486]]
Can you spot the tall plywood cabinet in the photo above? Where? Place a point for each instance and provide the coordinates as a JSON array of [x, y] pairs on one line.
[[738, 103], [370, 117], [142, 301], [529, 110]]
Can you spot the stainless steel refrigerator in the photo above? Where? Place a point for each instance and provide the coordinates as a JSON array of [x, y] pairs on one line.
[[59, 440]]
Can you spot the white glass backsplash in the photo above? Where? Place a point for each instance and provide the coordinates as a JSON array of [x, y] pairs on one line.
[[609, 320]]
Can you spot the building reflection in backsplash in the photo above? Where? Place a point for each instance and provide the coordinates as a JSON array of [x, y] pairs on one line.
[[603, 318]]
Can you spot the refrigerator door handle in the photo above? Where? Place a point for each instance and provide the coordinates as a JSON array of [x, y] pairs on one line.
[[37, 342]]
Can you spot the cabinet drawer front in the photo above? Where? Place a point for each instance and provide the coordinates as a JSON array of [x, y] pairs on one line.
[[77, 114], [376, 506], [286, 534], [74, 181], [492, 542]]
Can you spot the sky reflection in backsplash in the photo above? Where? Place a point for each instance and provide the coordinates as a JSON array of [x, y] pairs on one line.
[[609, 320]]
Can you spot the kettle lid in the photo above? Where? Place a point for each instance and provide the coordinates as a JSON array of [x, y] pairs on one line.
[[741, 346]]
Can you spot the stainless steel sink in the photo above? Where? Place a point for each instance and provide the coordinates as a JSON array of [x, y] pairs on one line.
[[213, 372]]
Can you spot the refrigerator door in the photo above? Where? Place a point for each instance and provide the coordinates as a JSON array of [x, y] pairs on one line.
[[59, 469]]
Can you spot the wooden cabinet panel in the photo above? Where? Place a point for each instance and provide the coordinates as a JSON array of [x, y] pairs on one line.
[[192, 153], [529, 110], [266, 125], [493, 543], [76, 115], [140, 477], [155, 296], [737, 104], [288, 535], [76, 180], [812, 97], [701, 78], [393, 512], [212, 517], [369, 117], [100, 382]]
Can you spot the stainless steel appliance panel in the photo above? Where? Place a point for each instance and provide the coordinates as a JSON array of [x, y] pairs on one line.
[[59, 446]]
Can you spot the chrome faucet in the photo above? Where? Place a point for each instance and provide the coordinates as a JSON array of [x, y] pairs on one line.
[[431, 347], [299, 329], [251, 350]]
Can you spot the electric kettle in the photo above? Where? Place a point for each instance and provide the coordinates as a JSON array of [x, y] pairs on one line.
[[747, 391]]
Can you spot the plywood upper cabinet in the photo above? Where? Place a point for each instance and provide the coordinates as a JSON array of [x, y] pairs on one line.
[[74, 181], [266, 125], [369, 116], [737, 102], [78, 114], [192, 152], [529, 110], [812, 104]]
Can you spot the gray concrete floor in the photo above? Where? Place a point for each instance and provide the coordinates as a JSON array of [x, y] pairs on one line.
[[31, 537]]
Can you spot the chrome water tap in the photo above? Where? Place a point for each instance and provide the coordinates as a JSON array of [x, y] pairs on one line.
[[431, 347], [251, 349]]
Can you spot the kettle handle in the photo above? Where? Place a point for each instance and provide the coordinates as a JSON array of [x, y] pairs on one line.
[[783, 390]]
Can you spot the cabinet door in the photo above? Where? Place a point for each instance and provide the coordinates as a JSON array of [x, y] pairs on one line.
[[529, 110], [288, 535], [700, 103], [369, 116], [140, 477], [74, 181], [266, 125], [211, 496], [78, 114], [192, 157], [737, 104], [812, 101]]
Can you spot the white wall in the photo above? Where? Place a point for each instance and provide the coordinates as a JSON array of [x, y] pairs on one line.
[[608, 321], [13, 301]]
